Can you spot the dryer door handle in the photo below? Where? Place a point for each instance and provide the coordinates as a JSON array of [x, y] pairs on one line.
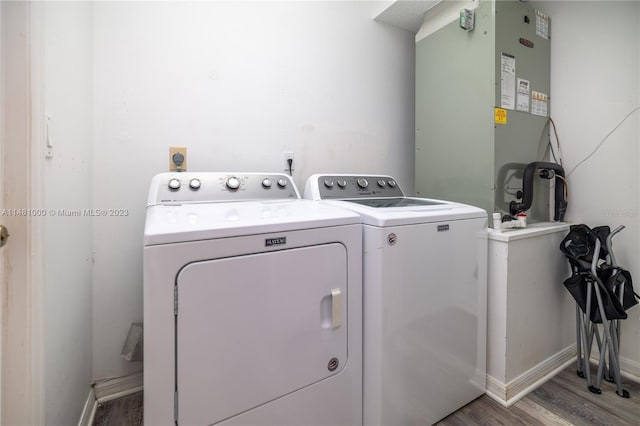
[[336, 308]]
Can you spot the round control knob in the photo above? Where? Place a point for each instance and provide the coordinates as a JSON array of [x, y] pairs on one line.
[[174, 184], [194, 184], [381, 183], [282, 183], [392, 183], [342, 183], [328, 183], [363, 183], [233, 183], [266, 183]]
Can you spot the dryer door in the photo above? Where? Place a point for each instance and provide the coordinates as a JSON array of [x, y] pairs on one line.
[[253, 328]]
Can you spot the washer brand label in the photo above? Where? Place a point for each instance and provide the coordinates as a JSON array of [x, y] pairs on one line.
[[443, 228], [275, 241]]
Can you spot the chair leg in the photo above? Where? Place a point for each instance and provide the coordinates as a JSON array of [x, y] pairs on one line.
[[601, 363], [611, 345], [579, 325], [587, 339]]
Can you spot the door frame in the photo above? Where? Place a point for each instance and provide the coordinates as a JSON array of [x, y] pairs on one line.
[[22, 170]]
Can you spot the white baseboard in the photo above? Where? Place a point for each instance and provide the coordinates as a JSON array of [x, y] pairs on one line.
[[509, 393], [629, 369], [89, 409], [108, 389], [496, 390]]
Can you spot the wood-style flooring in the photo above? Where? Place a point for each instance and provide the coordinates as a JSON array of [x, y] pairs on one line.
[[563, 400], [124, 411]]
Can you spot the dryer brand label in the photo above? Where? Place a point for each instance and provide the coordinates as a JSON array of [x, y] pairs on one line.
[[275, 241], [443, 228]]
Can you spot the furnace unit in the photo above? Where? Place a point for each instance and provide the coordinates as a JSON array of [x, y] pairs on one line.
[[482, 106]]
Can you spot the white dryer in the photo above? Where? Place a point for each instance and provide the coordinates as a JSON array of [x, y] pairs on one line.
[[252, 304], [424, 272]]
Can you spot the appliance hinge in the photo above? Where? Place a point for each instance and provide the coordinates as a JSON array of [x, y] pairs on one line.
[[175, 300], [175, 407]]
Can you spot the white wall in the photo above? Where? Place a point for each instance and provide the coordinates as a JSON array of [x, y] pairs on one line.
[[595, 83], [237, 83], [240, 83], [67, 299]]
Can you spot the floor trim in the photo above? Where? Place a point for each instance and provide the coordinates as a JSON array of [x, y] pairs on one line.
[[629, 369], [89, 409], [510, 393], [109, 389]]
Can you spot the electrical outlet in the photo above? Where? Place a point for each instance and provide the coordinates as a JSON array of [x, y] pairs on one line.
[[177, 159], [288, 155]]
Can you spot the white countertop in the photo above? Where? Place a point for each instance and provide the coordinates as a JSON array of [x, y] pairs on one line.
[[532, 230]]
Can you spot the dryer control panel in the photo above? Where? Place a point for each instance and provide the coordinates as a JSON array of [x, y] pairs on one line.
[[178, 188], [328, 187]]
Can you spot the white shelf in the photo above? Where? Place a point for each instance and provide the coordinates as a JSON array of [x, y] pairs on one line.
[[407, 15], [532, 230]]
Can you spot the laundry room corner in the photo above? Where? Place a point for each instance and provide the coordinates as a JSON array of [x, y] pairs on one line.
[[61, 73], [238, 84], [595, 105], [416, 307]]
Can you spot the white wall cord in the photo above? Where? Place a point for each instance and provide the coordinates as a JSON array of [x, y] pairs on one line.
[[603, 141]]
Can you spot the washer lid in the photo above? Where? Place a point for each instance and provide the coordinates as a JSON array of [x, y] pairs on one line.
[[167, 224], [379, 200], [408, 212], [396, 202]]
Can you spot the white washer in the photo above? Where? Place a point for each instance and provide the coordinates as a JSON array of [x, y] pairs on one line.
[[252, 304], [424, 272]]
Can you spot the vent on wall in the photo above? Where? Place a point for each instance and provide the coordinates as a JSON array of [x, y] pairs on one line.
[[132, 349]]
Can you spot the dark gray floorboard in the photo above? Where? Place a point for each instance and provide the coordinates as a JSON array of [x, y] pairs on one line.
[[606, 408], [563, 400], [124, 411], [485, 411]]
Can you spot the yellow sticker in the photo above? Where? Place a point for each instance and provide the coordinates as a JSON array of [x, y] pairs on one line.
[[501, 116]]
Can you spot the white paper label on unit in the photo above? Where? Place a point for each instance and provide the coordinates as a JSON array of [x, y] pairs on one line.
[[523, 95], [542, 25], [508, 98], [539, 103]]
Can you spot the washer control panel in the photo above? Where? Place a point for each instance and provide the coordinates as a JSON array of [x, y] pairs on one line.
[[189, 187], [357, 186]]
